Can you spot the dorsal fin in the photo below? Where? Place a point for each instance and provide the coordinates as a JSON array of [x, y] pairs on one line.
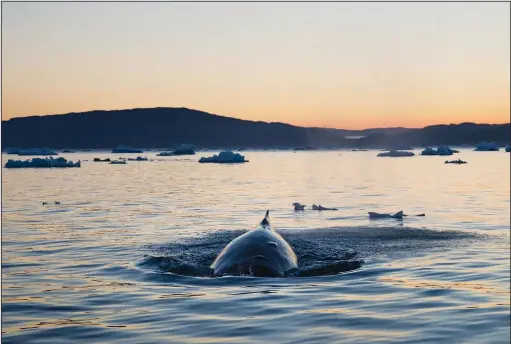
[[266, 220]]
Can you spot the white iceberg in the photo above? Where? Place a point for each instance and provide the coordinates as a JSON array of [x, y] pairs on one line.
[[37, 151], [42, 163], [124, 149], [486, 147], [441, 150], [184, 149], [395, 153], [224, 157]]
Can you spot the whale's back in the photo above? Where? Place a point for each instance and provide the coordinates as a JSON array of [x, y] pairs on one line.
[[259, 252]]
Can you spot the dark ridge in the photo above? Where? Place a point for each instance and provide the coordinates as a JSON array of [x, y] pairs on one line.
[[169, 127]]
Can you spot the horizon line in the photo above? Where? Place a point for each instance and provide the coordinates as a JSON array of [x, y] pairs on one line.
[[247, 120]]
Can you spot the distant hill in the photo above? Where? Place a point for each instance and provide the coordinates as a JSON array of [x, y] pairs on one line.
[[168, 127], [451, 134]]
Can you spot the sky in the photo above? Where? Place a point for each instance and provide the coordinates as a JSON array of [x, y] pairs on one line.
[[338, 65]]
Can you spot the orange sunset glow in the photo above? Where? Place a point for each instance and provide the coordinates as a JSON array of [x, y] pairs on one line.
[[338, 65]]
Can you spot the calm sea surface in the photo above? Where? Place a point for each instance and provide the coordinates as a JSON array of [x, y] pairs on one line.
[[124, 256]]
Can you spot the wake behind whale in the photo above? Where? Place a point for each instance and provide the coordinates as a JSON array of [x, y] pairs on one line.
[[319, 252]]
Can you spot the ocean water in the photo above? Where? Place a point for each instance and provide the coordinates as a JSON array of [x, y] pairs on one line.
[[124, 257]]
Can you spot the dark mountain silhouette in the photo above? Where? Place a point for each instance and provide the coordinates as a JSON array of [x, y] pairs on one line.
[[168, 127]]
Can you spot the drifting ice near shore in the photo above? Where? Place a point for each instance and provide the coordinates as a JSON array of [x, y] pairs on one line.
[[441, 150], [224, 157], [486, 147], [32, 151], [41, 163], [395, 153], [184, 149], [123, 149]]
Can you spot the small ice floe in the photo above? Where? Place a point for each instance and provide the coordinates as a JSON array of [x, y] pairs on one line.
[[459, 161], [184, 149], [299, 206], [395, 154], [138, 158], [118, 162], [37, 151], [486, 147], [42, 163], [441, 150], [224, 157], [320, 207], [104, 160], [124, 149]]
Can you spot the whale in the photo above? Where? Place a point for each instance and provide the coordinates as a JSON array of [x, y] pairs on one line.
[[260, 252]]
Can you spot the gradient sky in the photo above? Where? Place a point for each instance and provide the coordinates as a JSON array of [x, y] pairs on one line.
[[343, 65]]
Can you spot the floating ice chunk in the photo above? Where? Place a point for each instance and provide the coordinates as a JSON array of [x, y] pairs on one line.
[[37, 151], [395, 153], [118, 162], [486, 147], [184, 149], [124, 149], [138, 158], [41, 163], [224, 157], [441, 150]]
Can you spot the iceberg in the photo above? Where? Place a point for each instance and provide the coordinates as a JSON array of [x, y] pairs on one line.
[[184, 149], [224, 157], [123, 149], [42, 163], [395, 153], [486, 147], [441, 150], [138, 158], [37, 151]]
